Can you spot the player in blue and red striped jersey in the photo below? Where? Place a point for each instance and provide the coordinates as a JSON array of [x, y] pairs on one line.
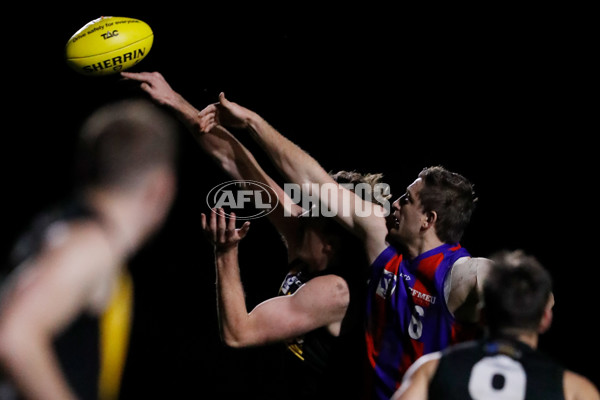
[[422, 283], [417, 303]]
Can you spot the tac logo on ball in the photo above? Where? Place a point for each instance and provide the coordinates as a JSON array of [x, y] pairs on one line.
[[108, 45], [247, 199]]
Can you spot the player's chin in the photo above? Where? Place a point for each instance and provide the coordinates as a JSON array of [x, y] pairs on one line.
[[391, 223], [393, 235]]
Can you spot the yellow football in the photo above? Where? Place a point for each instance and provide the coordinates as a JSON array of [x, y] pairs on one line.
[[108, 45]]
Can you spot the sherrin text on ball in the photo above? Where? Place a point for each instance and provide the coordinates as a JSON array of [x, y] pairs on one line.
[[108, 45]]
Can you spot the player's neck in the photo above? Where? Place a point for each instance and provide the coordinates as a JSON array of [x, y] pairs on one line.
[[118, 215], [530, 339], [426, 243]]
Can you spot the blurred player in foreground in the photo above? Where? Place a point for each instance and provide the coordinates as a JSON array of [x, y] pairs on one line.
[[506, 365], [70, 270]]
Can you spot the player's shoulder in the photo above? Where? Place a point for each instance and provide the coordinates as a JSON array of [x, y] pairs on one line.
[[331, 290], [577, 386], [475, 267], [422, 370], [333, 283], [77, 238], [81, 231], [470, 263], [429, 360]]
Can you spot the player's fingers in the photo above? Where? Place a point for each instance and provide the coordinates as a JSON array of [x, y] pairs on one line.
[[213, 224], [221, 225], [223, 102], [145, 86], [208, 125], [157, 76], [244, 230], [203, 223], [211, 108], [206, 120], [222, 99], [231, 222], [136, 76], [206, 228]]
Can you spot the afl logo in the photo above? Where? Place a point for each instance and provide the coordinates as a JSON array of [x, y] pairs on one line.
[[247, 199]]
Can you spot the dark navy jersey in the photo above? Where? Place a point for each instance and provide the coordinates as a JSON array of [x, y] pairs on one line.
[[496, 370]]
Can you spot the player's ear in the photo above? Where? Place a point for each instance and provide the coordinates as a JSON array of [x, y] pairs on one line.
[[160, 189], [548, 315], [429, 220]]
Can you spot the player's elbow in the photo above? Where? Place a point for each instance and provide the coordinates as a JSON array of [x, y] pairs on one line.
[[230, 340], [237, 342], [13, 340], [236, 338]]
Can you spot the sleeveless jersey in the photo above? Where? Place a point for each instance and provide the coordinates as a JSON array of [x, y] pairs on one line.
[[319, 365], [407, 315], [498, 369], [314, 347]]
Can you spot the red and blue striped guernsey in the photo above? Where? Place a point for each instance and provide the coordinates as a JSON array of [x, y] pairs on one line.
[[401, 328]]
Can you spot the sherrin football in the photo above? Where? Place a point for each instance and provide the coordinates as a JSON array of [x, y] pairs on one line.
[[108, 45]]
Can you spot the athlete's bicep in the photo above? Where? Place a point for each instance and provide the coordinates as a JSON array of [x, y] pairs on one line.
[[464, 285], [319, 302]]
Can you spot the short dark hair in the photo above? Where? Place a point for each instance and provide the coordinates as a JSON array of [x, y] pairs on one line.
[[515, 292], [122, 140], [452, 197]]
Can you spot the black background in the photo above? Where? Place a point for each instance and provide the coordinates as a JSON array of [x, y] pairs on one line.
[[503, 96]]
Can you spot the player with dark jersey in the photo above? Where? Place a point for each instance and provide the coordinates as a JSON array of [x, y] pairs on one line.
[[328, 365], [65, 306], [505, 364], [500, 368], [92, 349]]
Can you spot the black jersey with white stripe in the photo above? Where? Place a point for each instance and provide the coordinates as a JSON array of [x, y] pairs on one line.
[[496, 369]]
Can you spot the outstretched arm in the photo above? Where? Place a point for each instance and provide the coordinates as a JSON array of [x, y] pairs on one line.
[[229, 153], [320, 302], [364, 218], [161, 92]]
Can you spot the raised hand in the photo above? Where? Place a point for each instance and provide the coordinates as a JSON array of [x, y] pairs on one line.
[[222, 232], [155, 85]]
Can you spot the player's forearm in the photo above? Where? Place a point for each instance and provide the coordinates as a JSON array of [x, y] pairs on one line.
[[231, 155], [184, 111], [302, 169], [231, 302], [31, 363], [295, 163]]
